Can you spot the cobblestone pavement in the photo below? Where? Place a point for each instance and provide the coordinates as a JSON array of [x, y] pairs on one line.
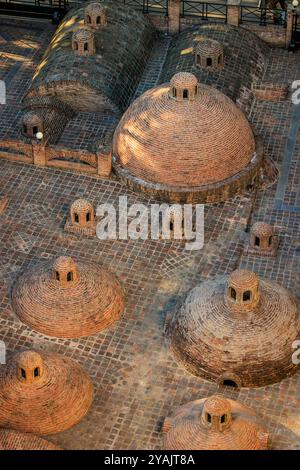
[[137, 381]]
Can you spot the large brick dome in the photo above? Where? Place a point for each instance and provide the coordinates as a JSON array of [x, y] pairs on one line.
[[236, 330], [15, 440], [184, 138], [66, 299], [43, 393], [214, 423]]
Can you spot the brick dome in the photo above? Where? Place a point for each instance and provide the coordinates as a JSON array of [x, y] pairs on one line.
[[82, 206], [67, 299], [82, 35], [243, 339], [43, 393], [15, 440], [185, 138], [214, 423], [262, 229]]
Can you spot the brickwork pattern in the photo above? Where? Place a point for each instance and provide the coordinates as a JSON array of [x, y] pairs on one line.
[[14, 440]]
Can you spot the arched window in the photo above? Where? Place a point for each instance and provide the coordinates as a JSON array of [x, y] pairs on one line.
[[88, 217], [36, 372], [270, 240], [70, 276], [256, 241], [23, 373], [171, 226], [89, 19], [86, 46], [232, 293], [24, 128], [209, 62], [185, 94], [229, 383], [208, 417], [98, 21], [76, 46], [198, 59], [247, 295], [57, 276], [76, 218], [223, 419], [35, 130], [219, 59], [174, 92]]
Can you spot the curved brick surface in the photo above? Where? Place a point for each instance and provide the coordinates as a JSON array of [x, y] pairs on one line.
[[188, 428], [183, 143], [14, 440], [91, 302], [213, 338], [105, 80], [55, 401]]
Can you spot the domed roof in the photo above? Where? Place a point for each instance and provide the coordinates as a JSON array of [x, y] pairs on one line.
[[183, 135], [82, 206], [95, 8], [262, 229], [15, 440], [67, 299], [82, 34], [214, 423], [43, 393], [208, 46], [238, 329]]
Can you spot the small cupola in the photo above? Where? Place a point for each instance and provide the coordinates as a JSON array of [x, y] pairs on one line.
[[216, 413], [64, 271], [83, 42], [243, 289], [95, 15], [183, 87], [209, 54], [32, 123], [82, 213], [30, 367], [262, 237]]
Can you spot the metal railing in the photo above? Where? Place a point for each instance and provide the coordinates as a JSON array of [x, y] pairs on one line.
[[263, 16], [149, 6], [214, 12]]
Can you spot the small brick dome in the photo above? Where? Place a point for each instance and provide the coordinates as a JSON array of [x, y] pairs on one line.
[[214, 423], [209, 54], [67, 299], [32, 123], [82, 213], [58, 400], [240, 342], [184, 137], [83, 42], [95, 15], [15, 440]]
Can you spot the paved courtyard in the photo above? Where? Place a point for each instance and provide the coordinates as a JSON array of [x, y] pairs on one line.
[[137, 381]]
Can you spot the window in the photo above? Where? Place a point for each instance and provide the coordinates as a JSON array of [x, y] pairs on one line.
[[256, 241], [88, 217], [35, 130], [69, 277], [247, 296], [24, 128], [208, 417], [57, 276], [23, 374], [76, 46], [232, 293], [174, 92], [270, 240], [86, 46], [88, 19], [198, 59], [209, 62], [223, 419], [36, 372], [196, 89], [76, 218], [185, 94], [230, 383], [171, 226], [219, 59], [98, 21]]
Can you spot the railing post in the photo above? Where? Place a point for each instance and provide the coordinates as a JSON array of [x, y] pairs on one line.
[[39, 153], [233, 12], [174, 16], [291, 13]]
